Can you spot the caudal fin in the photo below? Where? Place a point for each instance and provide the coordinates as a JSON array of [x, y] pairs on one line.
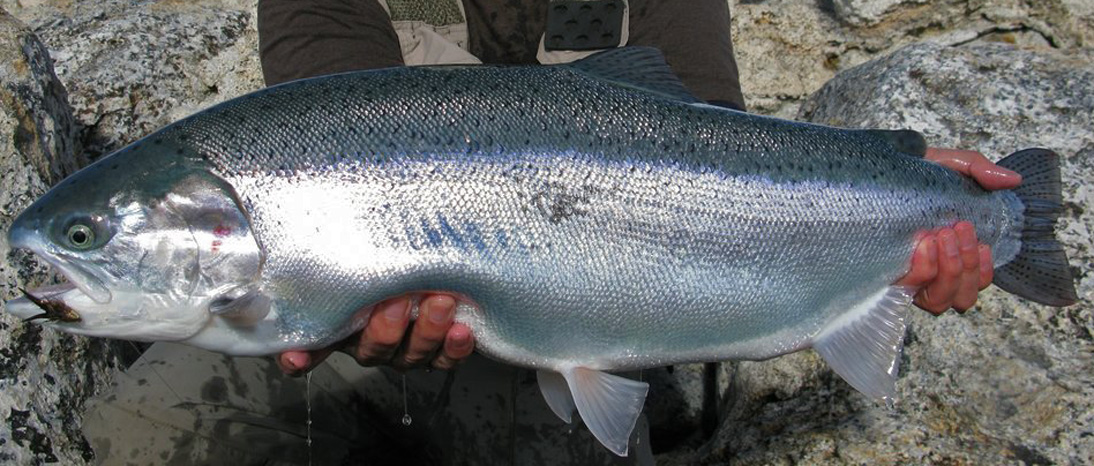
[[1040, 271]]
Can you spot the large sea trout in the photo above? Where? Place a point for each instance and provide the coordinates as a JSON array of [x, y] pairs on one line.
[[593, 217]]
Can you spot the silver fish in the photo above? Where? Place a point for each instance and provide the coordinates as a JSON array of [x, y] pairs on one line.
[[593, 217]]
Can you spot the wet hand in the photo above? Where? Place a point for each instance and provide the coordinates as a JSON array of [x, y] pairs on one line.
[[949, 266], [390, 338]]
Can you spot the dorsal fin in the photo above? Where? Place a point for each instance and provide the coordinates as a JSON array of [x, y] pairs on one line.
[[637, 67]]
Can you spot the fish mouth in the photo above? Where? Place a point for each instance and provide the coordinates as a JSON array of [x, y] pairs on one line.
[[52, 309], [50, 303], [80, 278]]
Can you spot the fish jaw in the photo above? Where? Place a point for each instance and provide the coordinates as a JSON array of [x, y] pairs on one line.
[[123, 317]]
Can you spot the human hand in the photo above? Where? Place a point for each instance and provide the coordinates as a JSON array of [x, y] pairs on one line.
[[434, 339], [949, 267]]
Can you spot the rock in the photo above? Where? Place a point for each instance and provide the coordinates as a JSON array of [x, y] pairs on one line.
[[816, 40], [1008, 382], [865, 12], [45, 377], [133, 68]]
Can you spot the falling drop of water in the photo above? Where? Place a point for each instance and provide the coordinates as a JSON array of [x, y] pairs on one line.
[[406, 411], [307, 403]]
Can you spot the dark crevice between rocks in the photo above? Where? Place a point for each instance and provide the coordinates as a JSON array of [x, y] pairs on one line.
[[1051, 40]]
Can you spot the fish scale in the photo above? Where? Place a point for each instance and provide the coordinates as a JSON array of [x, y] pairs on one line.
[[590, 217]]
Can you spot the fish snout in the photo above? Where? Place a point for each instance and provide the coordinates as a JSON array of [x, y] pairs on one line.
[[23, 233]]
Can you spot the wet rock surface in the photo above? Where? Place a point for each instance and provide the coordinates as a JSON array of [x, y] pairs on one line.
[[45, 377]]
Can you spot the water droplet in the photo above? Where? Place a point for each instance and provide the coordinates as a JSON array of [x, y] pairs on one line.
[[406, 412]]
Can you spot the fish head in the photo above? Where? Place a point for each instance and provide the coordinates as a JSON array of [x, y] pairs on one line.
[[149, 244]]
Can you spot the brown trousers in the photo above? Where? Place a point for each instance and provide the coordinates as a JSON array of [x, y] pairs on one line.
[[304, 38]]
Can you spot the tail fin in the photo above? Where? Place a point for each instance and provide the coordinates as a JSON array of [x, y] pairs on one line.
[[1040, 271]]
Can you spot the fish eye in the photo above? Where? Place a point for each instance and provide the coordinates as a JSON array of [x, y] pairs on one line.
[[83, 233], [81, 236]]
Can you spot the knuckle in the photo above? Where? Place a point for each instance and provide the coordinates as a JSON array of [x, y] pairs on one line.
[[412, 360], [442, 363], [371, 355]]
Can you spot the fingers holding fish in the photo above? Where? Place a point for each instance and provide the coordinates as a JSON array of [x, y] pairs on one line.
[[969, 281], [386, 327], [987, 271], [946, 266], [427, 335], [433, 339], [975, 165], [458, 345], [924, 266]]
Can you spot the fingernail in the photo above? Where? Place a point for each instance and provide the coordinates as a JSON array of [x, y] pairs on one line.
[[437, 313], [949, 243], [1002, 172], [437, 316], [297, 362], [460, 339], [396, 310]]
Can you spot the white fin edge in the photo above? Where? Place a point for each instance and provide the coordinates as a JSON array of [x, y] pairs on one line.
[[557, 394], [609, 405], [864, 344]]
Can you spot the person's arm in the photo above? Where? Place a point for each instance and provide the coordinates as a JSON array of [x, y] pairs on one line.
[[949, 266]]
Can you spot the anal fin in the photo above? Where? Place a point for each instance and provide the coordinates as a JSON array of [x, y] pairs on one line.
[[864, 344], [557, 393], [609, 405]]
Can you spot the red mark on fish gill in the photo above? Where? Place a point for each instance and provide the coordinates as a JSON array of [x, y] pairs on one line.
[[220, 231]]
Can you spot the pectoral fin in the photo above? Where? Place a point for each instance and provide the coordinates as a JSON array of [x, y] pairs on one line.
[[244, 310], [863, 345], [557, 393], [609, 404]]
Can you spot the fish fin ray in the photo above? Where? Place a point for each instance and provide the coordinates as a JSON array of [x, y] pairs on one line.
[[609, 405], [557, 394], [905, 141], [1040, 272], [637, 67], [864, 345], [247, 309]]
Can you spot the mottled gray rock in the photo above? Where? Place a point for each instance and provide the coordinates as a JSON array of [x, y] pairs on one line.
[[1010, 381], [45, 377], [866, 12], [133, 67], [815, 40]]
